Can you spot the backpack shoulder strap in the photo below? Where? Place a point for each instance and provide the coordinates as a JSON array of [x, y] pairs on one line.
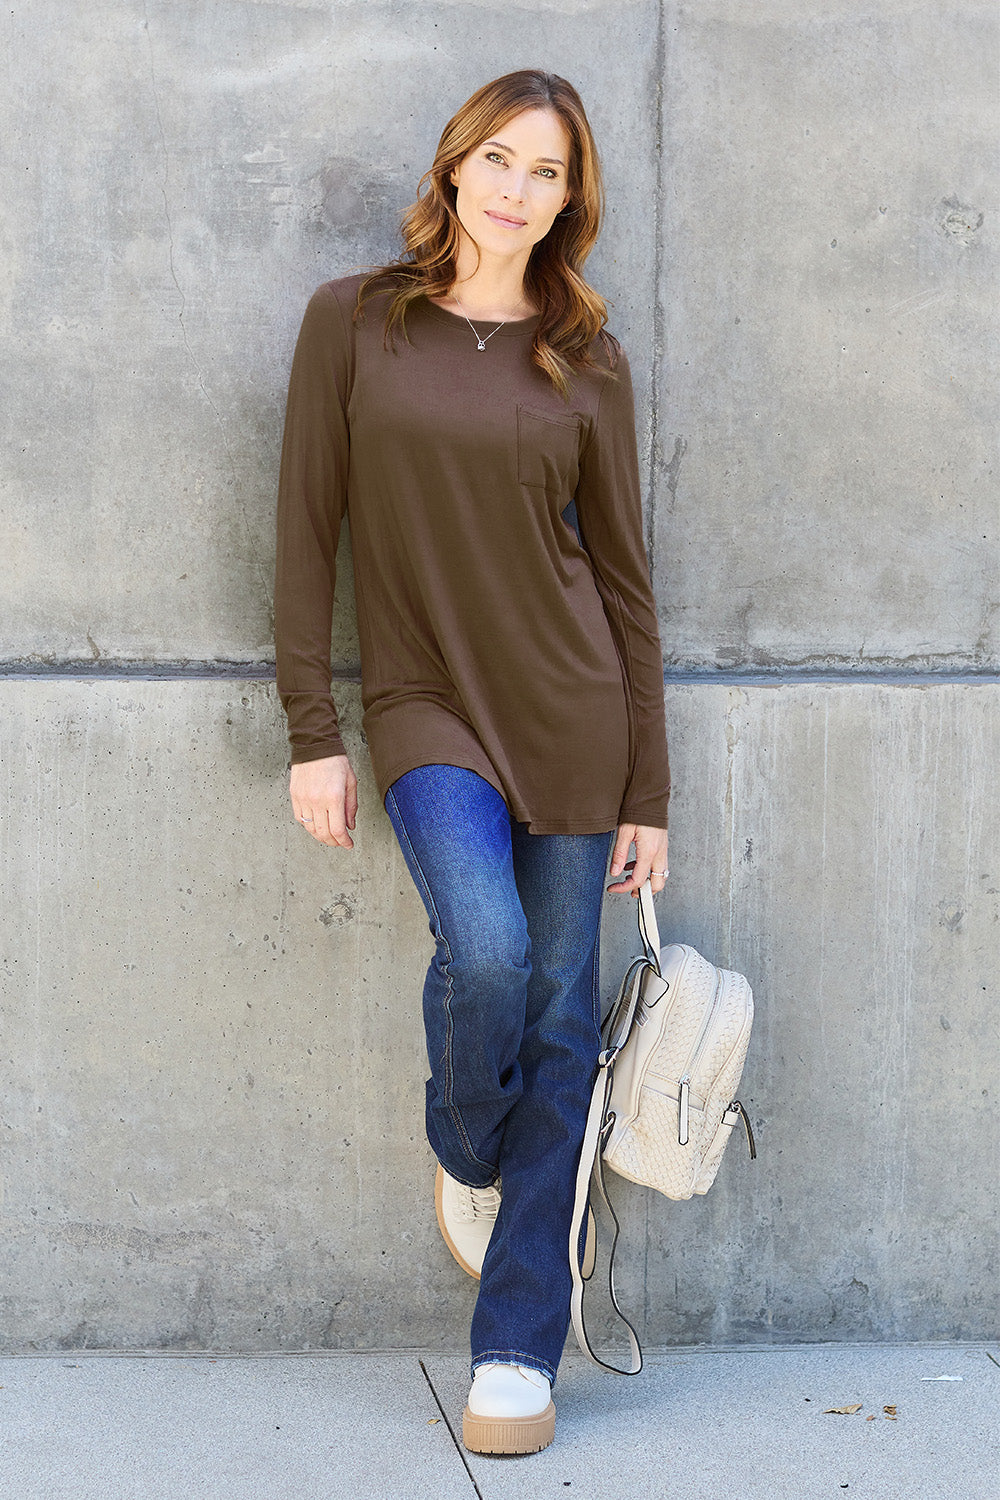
[[591, 1167]]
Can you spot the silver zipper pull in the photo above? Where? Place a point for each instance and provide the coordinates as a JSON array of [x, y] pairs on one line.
[[682, 1112]]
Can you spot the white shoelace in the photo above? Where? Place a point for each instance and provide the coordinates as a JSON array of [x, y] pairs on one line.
[[478, 1203]]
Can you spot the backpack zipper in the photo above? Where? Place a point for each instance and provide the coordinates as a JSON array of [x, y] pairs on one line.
[[683, 1101], [737, 1109]]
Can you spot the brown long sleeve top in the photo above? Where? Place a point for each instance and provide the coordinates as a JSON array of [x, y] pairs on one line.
[[495, 633]]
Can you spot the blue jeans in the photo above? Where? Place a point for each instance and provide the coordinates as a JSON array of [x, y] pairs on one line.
[[511, 1014]]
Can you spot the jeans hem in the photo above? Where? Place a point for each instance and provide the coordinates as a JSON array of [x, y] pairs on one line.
[[493, 1182], [514, 1357]]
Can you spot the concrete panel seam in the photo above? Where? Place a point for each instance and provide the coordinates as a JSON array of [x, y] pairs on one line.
[[110, 670], [658, 310]]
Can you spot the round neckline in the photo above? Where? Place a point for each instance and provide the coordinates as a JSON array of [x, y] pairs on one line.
[[515, 328]]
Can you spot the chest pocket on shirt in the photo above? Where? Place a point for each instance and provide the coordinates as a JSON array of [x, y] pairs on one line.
[[548, 449]]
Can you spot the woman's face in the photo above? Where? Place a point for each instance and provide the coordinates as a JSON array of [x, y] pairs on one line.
[[512, 186]]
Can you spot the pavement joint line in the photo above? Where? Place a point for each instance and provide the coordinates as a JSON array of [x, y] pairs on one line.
[[451, 1430]]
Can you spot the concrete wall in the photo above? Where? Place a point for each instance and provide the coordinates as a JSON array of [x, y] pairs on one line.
[[212, 1060]]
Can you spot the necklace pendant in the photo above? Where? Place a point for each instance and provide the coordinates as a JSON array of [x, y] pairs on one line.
[[480, 345]]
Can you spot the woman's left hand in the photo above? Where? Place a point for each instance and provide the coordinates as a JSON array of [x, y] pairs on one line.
[[650, 859]]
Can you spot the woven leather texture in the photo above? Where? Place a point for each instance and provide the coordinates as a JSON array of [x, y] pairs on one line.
[[698, 1026]]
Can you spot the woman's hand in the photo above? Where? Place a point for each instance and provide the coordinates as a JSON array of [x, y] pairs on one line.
[[650, 859], [324, 796]]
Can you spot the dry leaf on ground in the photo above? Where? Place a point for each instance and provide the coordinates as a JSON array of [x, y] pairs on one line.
[[842, 1411]]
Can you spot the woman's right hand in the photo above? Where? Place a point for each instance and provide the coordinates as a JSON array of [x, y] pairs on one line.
[[324, 797]]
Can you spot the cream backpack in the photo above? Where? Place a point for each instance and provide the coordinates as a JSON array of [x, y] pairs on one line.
[[664, 1104]]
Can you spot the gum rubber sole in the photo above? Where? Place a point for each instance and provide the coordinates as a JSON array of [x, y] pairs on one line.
[[508, 1435]]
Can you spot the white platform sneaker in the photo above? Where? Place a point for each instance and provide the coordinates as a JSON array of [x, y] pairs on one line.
[[466, 1217], [510, 1410]]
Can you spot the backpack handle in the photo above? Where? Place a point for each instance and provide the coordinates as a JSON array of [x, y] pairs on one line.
[[649, 932]]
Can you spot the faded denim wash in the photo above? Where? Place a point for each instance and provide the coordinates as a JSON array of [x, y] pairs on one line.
[[511, 1014]]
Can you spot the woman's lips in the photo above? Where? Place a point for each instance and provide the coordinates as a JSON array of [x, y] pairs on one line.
[[508, 223]]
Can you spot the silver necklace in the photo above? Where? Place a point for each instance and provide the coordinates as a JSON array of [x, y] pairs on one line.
[[480, 341]]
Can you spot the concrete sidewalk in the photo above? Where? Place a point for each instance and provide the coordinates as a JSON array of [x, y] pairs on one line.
[[746, 1424]]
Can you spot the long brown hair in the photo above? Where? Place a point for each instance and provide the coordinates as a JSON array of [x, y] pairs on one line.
[[572, 314]]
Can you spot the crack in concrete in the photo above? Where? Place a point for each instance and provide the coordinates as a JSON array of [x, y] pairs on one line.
[[195, 365], [673, 470]]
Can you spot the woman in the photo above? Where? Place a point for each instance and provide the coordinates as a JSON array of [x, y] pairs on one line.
[[467, 409]]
